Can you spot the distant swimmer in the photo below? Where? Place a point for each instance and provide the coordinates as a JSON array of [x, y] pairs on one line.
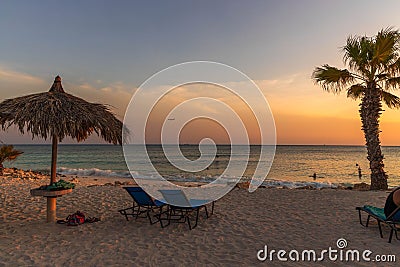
[[359, 171], [314, 176]]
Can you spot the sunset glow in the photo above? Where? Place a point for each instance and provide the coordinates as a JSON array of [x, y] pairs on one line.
[[280, 60]]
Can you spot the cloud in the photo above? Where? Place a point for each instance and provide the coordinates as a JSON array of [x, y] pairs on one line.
[[13, 76], [117, 94], [297, 94], [13, 83]]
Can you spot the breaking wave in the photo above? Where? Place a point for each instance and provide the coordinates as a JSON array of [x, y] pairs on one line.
[[94, 172]]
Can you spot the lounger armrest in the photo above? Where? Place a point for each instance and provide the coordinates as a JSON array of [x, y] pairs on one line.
[[393, 213], [159, 203], [199, 202]]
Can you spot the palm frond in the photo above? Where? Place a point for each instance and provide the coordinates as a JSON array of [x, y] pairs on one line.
[[331, 78], [386, 45], [358, 52], [381, 76], [394, 68], [7, 152], [390, 100], [393, 83], [356, 91]]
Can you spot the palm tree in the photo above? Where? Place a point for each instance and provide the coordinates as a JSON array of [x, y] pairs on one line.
[[372, 74], [8, 153]]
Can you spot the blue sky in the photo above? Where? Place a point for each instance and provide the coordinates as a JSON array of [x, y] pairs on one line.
[[129, 40], [114, 46]]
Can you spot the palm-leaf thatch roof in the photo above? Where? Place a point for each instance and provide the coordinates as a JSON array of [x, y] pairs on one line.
[[57, 113]]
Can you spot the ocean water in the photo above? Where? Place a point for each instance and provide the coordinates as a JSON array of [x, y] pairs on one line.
[[292, 166]]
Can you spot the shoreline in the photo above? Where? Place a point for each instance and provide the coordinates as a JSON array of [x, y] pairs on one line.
[[115, 180]]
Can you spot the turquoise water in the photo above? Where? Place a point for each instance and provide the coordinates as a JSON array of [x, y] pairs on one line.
[[293, 165]]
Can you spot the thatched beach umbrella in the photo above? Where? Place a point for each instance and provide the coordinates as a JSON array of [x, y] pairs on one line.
[[56, 115]]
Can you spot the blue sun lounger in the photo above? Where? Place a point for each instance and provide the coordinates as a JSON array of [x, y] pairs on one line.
[[379, 215], [143, 204], [184, 207]]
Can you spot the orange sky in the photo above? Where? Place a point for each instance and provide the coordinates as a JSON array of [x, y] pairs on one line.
[[303, 112], [314, 117], [196, 130]]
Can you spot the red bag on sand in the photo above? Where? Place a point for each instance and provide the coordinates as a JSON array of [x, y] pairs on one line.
[[75, 219], [78, 218]]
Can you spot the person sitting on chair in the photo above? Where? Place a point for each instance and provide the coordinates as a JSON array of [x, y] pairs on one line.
[[392, 203]]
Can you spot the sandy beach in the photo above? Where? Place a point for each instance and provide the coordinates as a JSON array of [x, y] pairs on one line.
[[243, 223]]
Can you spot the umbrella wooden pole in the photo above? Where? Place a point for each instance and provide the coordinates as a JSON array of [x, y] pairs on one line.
[[52, 201], [54, 160], [51, 209]]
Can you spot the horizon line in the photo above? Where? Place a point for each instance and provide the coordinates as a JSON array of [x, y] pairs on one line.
[[221, 144]]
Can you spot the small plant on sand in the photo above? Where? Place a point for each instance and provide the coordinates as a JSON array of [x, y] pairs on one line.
[[8, 153]]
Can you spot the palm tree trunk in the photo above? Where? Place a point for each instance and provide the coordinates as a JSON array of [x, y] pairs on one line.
[[370, 112]]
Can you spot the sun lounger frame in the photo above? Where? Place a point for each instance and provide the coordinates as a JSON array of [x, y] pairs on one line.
[[147, 206], [181, 214], [392, 224]]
